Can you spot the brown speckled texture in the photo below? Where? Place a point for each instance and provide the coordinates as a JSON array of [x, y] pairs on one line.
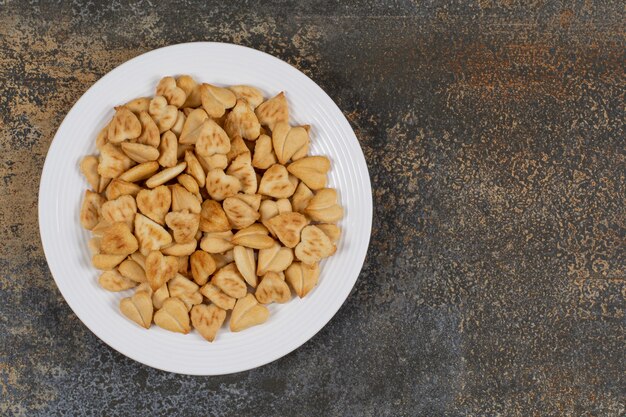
[[494, 135]]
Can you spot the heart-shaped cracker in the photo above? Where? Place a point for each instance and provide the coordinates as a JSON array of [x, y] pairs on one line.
[[331, 230], [241, 121], [167, 88], [124, 126], [89, 168], [149, 130], [106, 262], [217, 161], [215, 100], [160, 295], [190, 184], [207, 320], [304, 150], [180, 249], [113, 162], [246, 264], [173, 316], [274, 259], [311, 170], [160, 269], [186, 290], [118, 188], [287, 227], [241, 168], [151, 235], [271, 208], [140, 153], [202, 266], [184, 200], [268, 209], [132, 270], [165, 175], [264, 156], [217, 242], [164, 114], [212, 139], [90, 209], [237, 147], [138, 105], [194, 168], [272, 289], [168, 149], [114, 281], [323, 206], [229, 280], [275, 183], [253, 200], [254, 236], [247, 313], [155, 203], [218, 297], [252, 95], [314, 245], [140, 172], [138, 308], [122, 209], [213, 218], [191, 89], [193, 127], [118, 240], [302, 277], [177, 129], [287, 141], [183, 224], [273, 111], [220, 186], [239, 214], [140, 259]]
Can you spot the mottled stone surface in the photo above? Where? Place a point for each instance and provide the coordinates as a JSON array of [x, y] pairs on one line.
[[494, 135]]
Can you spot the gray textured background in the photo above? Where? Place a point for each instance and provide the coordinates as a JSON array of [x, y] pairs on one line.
[[494, 135]]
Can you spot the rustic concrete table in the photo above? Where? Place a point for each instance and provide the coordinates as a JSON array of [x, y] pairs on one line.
[[494, 135]]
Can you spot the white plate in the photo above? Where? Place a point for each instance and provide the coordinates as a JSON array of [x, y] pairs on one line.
[[65, 242]]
